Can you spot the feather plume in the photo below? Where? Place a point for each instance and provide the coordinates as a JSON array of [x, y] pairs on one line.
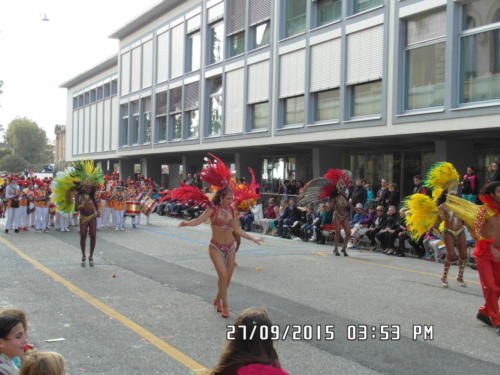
[[184, 194], [442, 176], [421, 215], [215, 172], [313, 191]]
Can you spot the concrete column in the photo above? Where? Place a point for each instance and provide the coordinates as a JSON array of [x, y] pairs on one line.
[[245, 160], [192, 163], [154, 170], [324, 158], [174, 177], [458, 152], [144, 167], [126, 168]]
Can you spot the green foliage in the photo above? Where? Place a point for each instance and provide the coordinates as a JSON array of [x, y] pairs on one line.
[[5, 151], [28, 141], [13, 164]]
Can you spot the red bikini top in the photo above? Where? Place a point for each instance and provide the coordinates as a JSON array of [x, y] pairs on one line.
[[224, 221]]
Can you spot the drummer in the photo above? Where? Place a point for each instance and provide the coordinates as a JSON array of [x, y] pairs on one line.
[[147, 202], [119, 205], [132, 197]]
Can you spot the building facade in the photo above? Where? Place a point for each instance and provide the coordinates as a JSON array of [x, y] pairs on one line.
[[292, 87]]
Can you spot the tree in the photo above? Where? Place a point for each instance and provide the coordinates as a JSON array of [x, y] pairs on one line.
[[13, 164], [28, 141], [5, 152]]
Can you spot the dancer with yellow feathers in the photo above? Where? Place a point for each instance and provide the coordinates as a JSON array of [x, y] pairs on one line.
[[75, 189]]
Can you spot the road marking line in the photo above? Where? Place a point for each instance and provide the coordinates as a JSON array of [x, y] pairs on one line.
[[155, 340], [320, 253], [403, 269]]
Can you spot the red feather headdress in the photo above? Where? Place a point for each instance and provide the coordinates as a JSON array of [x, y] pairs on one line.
[[334, 176], [245, 191], [216, 173], [185, 193]]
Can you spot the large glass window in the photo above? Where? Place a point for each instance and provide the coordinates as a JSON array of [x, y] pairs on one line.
[[216, 35], [480, 51], [146, 107], [327, 105], [215, 106], [135, 122], [295, 17], [124, 125], [362, 5], [177, 51], [366, 99], [161, 115], [425, 60], [294, 110], [194, 48], [328, 11], [261, 34], [193, 123], [237, 44], [176, 112], [259, 115]]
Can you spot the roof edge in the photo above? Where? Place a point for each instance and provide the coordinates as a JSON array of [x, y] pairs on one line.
[[106, 64]]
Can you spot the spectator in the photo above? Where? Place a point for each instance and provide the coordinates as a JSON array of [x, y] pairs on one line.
[[189, 180], [271, 214], [43, 363], [307, 230], [362, 226], [283, 190], [292, 189], [432, 244], [290, 216], [377, 225], [494, 174], [325, 218], [469, 185], [383, 193], [394, 198], [404, 235], [358, 215], [369, 196], [387, 235], [24, 321], [255, 215], [12, 342], [418, 186], [359, 194], [244, 356]]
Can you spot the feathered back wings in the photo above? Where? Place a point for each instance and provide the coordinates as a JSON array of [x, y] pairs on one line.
[[323, 187], [215, 172]]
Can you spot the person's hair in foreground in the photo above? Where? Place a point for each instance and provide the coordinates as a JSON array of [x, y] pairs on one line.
[[42, 363], [243, 351]]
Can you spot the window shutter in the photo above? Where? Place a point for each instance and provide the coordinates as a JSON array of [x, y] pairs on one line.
[[365, 52], [191, 96], [135, 83], [260, 10], [258, 82], [147, 63], [162, 58], [236, 16], [125, 73], [427, 27], [233, 119], [325, 65], [292, 73]]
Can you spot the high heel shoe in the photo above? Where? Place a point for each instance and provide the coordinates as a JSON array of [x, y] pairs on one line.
[[217, 306], [444, 283], [461, 283], [91, 262], [83, 261], [344, 251], [224, 313], [336, 252]]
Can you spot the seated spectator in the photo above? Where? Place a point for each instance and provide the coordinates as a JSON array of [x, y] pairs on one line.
[[271, 214], [387, 235], [360, 228], [377, 225], [394, 198], [255, 215], [249, 357], [290, 216], [43, 363], [359, 194], [432, 241], [358, 215], [325, 218], [12, 342], [281, 211], [404, 235], [307, 230]]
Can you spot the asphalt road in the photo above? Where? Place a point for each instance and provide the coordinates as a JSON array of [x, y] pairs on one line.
[[155, 316]]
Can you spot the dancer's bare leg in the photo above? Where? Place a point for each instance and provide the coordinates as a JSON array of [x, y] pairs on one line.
[[336, 230], [222, 273]]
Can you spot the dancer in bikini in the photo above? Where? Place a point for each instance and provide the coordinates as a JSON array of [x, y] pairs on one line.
[[81, 181], [224, 223]]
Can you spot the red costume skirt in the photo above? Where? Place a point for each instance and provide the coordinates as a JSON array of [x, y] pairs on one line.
[[489, 275]]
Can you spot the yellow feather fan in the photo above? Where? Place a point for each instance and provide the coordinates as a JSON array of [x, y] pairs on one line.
[[442, 176], [421, 215]]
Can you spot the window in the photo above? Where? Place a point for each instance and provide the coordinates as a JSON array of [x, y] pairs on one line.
[[135, 122], [176, 112], [135, 82], [425, 61], [161, 115], [215, 106], [100, 90], [194, 48], [259, 113], [92, 95], [80, 100], [362, 5], [480, 52], [261, 35], [147, 64], [294, 110], [193, 123], [192, 113], [162, 57], [125, 73], [295, 17], [327, 105], [114, 87], [124, 112], [146, 119], [107, 90], [216, 36], [75, 102], [328, 11], [366, 99], [237, 44], [86, 98], [177, 63]]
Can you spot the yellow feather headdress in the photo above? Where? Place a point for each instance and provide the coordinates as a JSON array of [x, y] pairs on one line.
[[421, 214], [442, 176]]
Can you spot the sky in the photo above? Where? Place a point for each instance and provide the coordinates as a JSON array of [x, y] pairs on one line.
[[37, 56]]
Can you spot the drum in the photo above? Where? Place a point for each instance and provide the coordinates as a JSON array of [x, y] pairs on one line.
[[132, 208], [148, 206], [52, 209]]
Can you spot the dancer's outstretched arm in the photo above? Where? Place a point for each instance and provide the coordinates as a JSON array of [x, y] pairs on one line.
[[200, 219], [237, 229]]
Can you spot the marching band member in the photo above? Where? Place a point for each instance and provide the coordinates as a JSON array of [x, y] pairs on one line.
[[41, 199], [12, 193], [119, 206]]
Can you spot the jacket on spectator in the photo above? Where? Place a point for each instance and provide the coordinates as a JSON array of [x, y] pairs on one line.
[[270, 213], [469, 184], [6, 366], [356, 219], [379, 222], [392, 221], [493, 176], [393, 199], [420, 189], [367, 219], [292, 213], [359, 195], [326, 217], [382, 196]]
